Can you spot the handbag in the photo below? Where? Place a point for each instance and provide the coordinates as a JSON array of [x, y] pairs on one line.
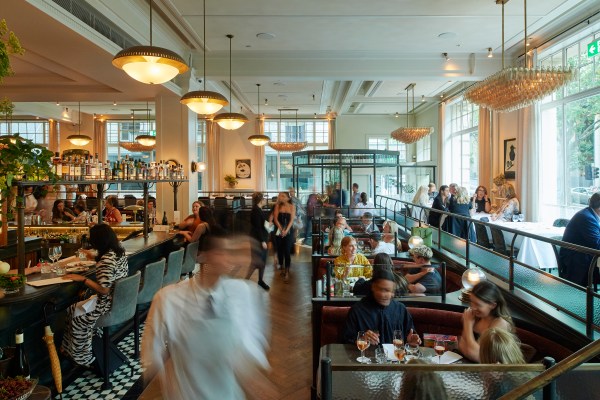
[[425, 233], [269, 226]]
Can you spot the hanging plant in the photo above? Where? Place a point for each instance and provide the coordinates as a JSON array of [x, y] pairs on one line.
[[9, 44]]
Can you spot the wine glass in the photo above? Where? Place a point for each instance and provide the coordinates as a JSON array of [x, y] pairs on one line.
[[52, 255], [362, 343], [58, 252], [515, 218], [440, 348], [521, 217]]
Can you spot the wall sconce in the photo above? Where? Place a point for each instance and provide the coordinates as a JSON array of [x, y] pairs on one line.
[[490, 54], [198, 166], [396, 115], [470, 278]]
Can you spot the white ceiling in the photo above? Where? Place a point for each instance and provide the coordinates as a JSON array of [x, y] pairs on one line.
[[347, 56]]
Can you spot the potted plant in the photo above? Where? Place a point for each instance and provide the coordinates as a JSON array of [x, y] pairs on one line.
[[231, 180]]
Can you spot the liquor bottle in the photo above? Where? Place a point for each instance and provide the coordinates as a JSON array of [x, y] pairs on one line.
[[57, 163], [88, 167], [19, 366], [65, 169], [71, 169], [121, 170], [115, 172], [94, 167], [107, 171], [164, 220]]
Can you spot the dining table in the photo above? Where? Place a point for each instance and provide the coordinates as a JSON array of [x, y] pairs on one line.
[[532, 252]]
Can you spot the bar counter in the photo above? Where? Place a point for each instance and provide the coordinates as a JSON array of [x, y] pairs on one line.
[[25, 309]]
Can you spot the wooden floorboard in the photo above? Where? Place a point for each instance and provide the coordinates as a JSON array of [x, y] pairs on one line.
[[289, 377]]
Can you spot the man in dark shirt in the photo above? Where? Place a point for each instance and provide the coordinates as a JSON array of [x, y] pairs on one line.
[[378, 314], [425, 279]]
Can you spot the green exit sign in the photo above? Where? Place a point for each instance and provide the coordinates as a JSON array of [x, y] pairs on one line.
[[593, 48]]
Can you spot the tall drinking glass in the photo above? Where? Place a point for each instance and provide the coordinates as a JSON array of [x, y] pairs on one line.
[[362, 343], [440, 348], [399, 350]]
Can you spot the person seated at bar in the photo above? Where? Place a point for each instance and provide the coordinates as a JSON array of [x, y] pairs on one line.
[[424, 279], [499, 346], [350, 263], [60, 213], [111, 214], [508, 206], [207, 226], [111, 265], [382, 261], [379, 315], [488, 310], [366, 223], [481, 201], [379, 246], [193, 220], [81, 215], [336, 234], [440, 202], [422, 385]]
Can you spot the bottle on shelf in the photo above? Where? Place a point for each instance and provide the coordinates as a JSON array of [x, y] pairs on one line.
[[65, 169], [57, 164], [19, 366], [164, 220]]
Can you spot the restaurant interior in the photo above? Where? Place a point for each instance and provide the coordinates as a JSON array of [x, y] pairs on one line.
[[318, 97]]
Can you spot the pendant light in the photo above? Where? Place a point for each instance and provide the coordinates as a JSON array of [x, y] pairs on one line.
[[230, 120], [203, 101], [259, 140], [79, 139], [150, 64], [135, 147], [411, 134], [284, 147], [146, 140]]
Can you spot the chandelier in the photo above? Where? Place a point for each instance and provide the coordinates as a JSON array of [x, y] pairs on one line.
[[408, 134], [516, 87], [150, 64], [203, 101], [259, 140], [79, 139], [135, 146], [230, 120], [286, 147]]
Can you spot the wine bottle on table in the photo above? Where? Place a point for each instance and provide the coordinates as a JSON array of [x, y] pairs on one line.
[[19, 366], [164, 220]]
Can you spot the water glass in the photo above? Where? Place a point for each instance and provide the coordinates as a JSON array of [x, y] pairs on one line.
[[412, 351], [380, 355], [46, 267], [60, 269]]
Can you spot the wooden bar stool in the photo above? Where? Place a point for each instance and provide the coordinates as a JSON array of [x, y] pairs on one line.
[[174, 265], [153, 279], [124, 300]]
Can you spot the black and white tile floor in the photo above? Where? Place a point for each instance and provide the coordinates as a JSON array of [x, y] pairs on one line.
[[89, 385]]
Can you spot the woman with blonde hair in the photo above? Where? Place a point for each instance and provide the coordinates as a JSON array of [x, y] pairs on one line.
[[461, 206], [421, 199], [509, 206], [499, 346], [422, 385]]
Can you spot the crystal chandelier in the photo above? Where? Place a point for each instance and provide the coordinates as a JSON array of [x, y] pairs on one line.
[[410, 134], [150, 64], [516, 87], [286, 147], [203, 101], [259, 139]]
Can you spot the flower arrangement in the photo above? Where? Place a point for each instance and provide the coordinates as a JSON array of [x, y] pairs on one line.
[[11, 283], [231, 180]]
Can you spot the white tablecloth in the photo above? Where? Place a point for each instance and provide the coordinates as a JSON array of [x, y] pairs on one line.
[[531, 252]]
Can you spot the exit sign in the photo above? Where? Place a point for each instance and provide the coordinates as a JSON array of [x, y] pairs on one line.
[[593, 48]]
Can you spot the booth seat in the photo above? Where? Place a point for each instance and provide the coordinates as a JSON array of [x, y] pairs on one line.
[[427, 320]]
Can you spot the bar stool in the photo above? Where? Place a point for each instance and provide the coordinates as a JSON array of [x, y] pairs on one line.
[[153, 278], [189, 259], [124, 299], [174, 265]]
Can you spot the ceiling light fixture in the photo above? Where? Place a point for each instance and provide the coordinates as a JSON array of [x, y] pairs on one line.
[[422, 98], [446, 56], [514, 88], [397, 115], [259, 139], [490, 54], [148, 139], [411, 134], [135, 147], [114, 103], [285, 147], [204, 102], [150, 64], [79, 139], [230, 120]]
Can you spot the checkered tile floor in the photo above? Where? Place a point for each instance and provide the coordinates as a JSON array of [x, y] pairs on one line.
[[89, 385]]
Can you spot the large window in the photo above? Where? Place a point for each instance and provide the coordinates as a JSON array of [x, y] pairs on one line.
[[461, 144], [200, 147], [570, 131], [278, 166], [387, 143], [34, 130]]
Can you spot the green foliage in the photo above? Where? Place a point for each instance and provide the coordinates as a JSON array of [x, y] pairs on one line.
[[9, 44], [232, 180]]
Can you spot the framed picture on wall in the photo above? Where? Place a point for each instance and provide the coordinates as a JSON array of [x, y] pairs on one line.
[[510, 158], [243, 169]]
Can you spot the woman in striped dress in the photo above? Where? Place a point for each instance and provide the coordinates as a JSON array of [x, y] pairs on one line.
[[111, 265]]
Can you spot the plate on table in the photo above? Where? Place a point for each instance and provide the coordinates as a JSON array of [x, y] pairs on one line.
[[79, 265]]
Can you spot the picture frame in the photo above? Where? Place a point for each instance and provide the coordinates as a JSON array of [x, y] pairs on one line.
[[510, 158], [243, 168]]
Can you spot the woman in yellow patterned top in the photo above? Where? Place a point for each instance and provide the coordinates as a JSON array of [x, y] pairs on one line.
[[360, 264]]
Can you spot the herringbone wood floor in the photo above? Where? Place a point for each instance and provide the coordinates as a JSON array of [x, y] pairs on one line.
[[290, 356]]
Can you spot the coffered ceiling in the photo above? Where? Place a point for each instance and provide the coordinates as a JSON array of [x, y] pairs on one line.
[[343, 56]]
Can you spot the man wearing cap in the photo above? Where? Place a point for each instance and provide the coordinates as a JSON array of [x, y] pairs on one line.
[[379, 315], [425, 278], [379, 246]]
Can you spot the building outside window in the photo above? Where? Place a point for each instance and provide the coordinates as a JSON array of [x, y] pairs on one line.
[[37, 131], [569, 128], [278, 165], [380, 142], [461, 144]]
